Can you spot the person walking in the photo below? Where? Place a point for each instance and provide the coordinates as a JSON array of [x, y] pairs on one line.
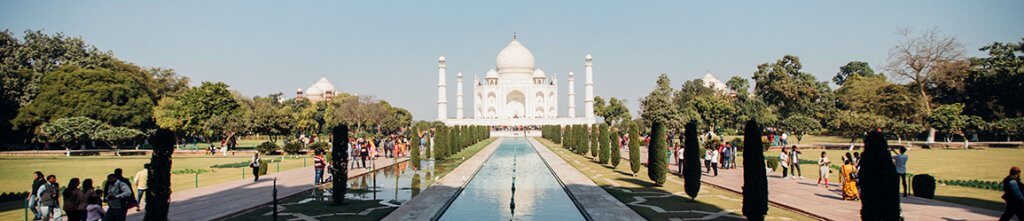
[[141, 182], [680, 159], [784, 139], [794, 160], [715, 157], [901, 168], [71, 196], [784, 160], [848, 177], [318, 166], [88, 192], [364, 152], [255, 165], [38, 179], [823, 170], [707, 160], [116, 198], [48, 197], [94, 209], [1012, 195]]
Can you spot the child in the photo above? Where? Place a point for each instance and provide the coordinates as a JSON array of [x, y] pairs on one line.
[[94, 211]]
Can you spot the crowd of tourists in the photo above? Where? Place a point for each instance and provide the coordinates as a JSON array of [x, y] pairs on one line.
[[81, 200]]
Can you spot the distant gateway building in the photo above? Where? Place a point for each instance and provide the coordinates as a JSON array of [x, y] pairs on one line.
[[515, 93], [321, 90]]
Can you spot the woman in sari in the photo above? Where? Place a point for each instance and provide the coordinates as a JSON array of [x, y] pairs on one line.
[[847, 176]]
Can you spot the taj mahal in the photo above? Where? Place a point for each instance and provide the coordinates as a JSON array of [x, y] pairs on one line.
[[515, 93]]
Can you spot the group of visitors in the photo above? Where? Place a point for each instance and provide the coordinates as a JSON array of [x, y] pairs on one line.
[[777, 137], [722, 157], [80, 200], [361, 149], [848, 172]]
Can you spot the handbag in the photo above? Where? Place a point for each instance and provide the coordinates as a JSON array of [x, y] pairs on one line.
[[130, 202]]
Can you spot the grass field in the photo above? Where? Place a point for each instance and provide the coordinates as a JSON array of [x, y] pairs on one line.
[[626, 188], [990, 164], [16, 175]]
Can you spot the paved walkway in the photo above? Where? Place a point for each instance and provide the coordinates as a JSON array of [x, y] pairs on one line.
[[805, 196], [594, 200], [221, 200]]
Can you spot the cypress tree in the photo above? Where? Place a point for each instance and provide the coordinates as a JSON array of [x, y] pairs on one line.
[[453, 142], [656, 158], [567, 140], [439, 144], [691, 168], [602, 140], [159, 194], [880, 192], [634, 148], [429, 151], [595, 141], [585, 140], [340, 157], [616, 157], [755, 183], [414, 151]]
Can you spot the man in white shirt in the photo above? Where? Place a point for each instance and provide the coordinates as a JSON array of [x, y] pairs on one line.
[[715, 156], [785, 138], [679, 163]]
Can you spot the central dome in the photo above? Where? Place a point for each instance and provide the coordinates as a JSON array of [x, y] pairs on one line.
[[515, 57]]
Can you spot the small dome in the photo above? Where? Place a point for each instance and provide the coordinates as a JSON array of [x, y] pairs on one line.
[[589, 57], [538, 73], [459, 75], [571, 74], [324, 85], [515, 56], [298, 90], [440, 58], [491, 74], [313, 90]]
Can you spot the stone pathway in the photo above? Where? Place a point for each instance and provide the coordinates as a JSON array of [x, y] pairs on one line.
[[807, 197], [222, 200]]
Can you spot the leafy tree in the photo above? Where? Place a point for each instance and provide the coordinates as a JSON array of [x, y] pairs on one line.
[[271, 117], [658, 105], [616, 150], [950, 119], [801, 125], [634, 148], [657, 164], [903, 129], [691, 166], [614, 112], [740, 85], [1009, 127], [988, 86], [854, 68], [191, 111], [112, 97], [880, 195], [117, 136], [915, 57], [72, 131], [854, 124], [755, 184], [605, 151], [793, 92], [166, 82], [714, 110]]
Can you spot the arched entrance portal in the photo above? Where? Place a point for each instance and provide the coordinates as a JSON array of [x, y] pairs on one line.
[[515, 104]]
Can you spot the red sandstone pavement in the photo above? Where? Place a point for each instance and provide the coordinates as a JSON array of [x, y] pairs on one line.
[[221, 200], [807, 197]]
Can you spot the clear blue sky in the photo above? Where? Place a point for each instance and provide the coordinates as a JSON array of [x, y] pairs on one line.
[[389, 49]]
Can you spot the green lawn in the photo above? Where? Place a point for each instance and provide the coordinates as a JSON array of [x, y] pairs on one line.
[[668, 197], [16, 175], [991, 164]]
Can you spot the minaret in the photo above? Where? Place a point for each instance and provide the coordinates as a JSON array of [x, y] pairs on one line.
[[572, 95], [588, 90], [458, 96], [442, 97]]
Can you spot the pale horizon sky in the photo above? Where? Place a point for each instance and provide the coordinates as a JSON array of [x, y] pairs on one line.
[[389, 49]]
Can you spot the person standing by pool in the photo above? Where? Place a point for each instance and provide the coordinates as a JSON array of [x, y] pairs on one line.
[[364, 152], [255, 165], [141, 185], [823, 170], [1012, 195], [901, 167], [794, 162], [318, 167]]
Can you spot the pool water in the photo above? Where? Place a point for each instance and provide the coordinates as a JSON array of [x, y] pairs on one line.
[[537, 195]]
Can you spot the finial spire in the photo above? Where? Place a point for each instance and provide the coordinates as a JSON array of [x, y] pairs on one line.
[[513, 35]]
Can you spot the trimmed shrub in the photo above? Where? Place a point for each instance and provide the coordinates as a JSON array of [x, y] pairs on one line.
[[615, 148], [292, 147], [321, 146], [634, 148], [880, 192], [585, 140], [266, 147], [656, 157], [595, 141], [755, 183], [691, 168], [263, 166], [924, 186], [603, 144], [773, 163]]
